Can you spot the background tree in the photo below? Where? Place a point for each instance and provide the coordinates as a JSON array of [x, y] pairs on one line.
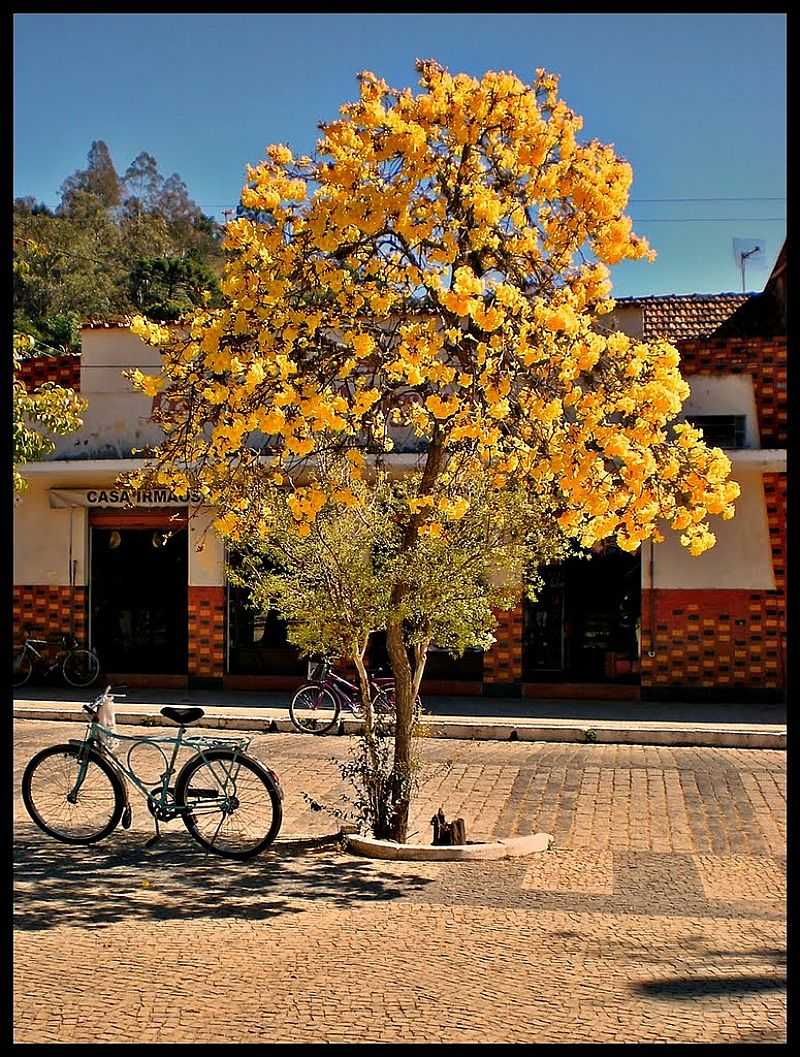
[[87, 258], [439, 265], [142, 185], [36, 415], [98, 181], [63, 265], [168, 287]]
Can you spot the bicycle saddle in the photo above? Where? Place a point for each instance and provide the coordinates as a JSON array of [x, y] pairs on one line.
[[182, 716]]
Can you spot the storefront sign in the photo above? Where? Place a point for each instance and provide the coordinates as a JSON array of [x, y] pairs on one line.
[[119, 497]]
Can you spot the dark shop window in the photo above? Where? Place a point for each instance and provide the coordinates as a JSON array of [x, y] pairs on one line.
[[722, 431]]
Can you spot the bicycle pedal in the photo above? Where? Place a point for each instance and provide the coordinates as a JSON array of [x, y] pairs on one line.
[[126, 817]]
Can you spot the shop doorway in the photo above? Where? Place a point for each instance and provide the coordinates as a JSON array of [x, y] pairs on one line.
[[584, 627], [138, 592]]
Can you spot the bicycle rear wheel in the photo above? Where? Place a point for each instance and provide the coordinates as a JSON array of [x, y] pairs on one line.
[[80, 667], [314, 710], [233, 803], [23, 666], [385, 704], [73, 814]]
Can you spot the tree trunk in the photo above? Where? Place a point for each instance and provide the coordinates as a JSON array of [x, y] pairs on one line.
[[369, 715], [404, 718], [363, 679], [404, 683], [377, 794]]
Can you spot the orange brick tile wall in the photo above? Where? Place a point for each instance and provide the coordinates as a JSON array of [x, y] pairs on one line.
[[714, 639], [206, 632], [47, 612], [775, 498], [65, 370], [703, 639], [503, 662]]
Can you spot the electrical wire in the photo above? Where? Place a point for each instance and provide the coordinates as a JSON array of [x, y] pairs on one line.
[[693, 220], [632, 201], [708, 220], [776, 198]]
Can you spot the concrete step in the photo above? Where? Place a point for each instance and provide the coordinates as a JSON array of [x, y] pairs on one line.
[[275, 720]]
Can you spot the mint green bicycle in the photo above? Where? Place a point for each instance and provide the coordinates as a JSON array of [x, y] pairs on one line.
[[78, 792]]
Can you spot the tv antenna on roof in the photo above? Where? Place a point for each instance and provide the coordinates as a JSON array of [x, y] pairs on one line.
[[748, 251]]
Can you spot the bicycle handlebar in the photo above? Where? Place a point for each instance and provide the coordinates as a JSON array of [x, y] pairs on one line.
[[110, 691]]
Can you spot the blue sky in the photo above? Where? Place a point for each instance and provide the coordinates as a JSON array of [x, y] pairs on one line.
[[696, 103]]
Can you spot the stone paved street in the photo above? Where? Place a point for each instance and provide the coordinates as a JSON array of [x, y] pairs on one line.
[[659, 914]]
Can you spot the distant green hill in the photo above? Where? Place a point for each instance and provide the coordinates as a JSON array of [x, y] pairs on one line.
[[116, 244]]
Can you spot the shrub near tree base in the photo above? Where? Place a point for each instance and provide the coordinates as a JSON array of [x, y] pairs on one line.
[[438, 266]]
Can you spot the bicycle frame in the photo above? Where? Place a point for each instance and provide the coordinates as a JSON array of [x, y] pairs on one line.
[[348, 695], [40, 659], [163, 807], [342, 690], [28, 647]]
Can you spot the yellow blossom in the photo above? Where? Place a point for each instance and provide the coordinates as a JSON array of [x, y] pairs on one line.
[[438, 267], [441, 408]]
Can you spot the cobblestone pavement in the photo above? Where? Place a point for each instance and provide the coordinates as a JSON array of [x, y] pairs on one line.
[[657, 916]]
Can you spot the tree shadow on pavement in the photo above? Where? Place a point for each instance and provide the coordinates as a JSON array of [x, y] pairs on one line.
[[682, 987], [65, 885], [777, 955]]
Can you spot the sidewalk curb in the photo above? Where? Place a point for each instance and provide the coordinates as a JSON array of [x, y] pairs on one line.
[[614, 735], [631, 734], [501, 849]]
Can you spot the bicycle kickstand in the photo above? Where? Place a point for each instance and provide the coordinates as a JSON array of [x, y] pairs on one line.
[[156, 836]]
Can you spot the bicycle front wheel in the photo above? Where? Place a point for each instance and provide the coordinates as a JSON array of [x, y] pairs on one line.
[[72, 795], [314, 710], [23, 666], [81, 667], [233, 804]]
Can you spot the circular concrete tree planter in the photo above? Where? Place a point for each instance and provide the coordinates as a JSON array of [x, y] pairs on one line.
[[510, 848]]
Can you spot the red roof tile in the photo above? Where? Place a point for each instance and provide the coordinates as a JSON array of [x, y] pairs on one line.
[[678, 317]]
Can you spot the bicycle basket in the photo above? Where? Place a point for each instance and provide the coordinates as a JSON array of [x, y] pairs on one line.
[[318, 669]]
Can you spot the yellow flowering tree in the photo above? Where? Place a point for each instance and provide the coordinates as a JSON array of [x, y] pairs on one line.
[[437, 272]]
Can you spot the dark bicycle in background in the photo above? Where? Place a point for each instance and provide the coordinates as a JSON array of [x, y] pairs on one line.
[[316, 707], [79, 667]]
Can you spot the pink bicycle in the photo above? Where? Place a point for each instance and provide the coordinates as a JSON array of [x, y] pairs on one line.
[[316, 707]]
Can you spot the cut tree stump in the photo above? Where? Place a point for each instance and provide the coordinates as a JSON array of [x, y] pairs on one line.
[[448, 833]]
